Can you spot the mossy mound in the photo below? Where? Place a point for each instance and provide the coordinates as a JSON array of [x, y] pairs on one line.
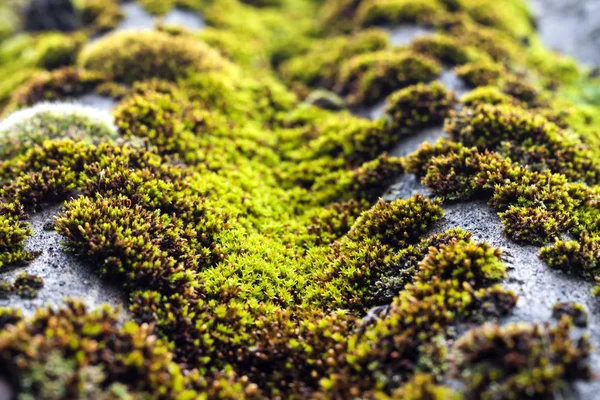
[[234, 198], [133, 56]]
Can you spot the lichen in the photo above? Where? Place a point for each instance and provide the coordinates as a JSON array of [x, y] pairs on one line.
[[24, 129]]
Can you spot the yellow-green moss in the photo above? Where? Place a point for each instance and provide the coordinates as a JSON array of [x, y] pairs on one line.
[[133, 56]]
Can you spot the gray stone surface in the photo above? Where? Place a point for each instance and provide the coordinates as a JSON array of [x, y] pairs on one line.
[[64, 274], [404, 34], [184, 18], [136, 17], [410, 143], [571, 27], [101, 103]]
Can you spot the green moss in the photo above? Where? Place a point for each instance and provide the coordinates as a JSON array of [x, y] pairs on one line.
[[481, 73], [100, 15], [320, 66], [420, 105], [423, 386], [379, 12], [362, 257], [531, 225], [486, 95], [13, 233], [521, 360], [56, 85], [244, 225], [578, 257], [574, 310], [444, 48], [128, 356], [370, 77], [531, 138], [27, 285], [134, 56]]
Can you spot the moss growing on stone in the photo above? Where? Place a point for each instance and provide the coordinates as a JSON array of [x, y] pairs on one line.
[[521, 360], [370, 77], [27, 285], [420, 105], [380, 12], [574, 310], [531, 225], [480, 73], [134, 56], [56, 85], [244, 225]]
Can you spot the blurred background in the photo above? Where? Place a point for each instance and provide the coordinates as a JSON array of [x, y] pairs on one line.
[[571, 27]]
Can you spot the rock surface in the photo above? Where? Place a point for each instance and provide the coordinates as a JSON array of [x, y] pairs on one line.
[[571, 27], [64, 274]]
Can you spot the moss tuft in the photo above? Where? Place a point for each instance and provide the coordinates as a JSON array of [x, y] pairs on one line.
[[420, 105], [133, 56], [521, 360], [370, 77]]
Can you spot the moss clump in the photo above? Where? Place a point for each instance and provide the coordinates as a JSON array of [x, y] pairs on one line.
[[126, 359], [423, 386], [13, 233], [370, 77], [531, 225], [521, 360], [467, 174], [152, 250], [26, 128], [578, 257], [486, 95], [476, 264], [362, 257], [165, 121], [56, 85], [574, 310], [444, 48], [394, 279], [379, 12], [420, 105], [36, 189], [27, 285], [394, 223], [100, 15], [525, 137], [481, 73], [320, 66], [419, 317], [133, 56]]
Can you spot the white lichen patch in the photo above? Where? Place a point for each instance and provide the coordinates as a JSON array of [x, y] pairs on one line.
[[25, 128]]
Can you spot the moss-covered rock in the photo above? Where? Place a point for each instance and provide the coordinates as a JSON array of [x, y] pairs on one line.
[[133, 56]]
